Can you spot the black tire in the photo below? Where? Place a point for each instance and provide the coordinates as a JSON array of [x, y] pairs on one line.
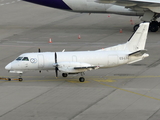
[[81, 79], [9, 79], [136, 27], [154, 26], [158, 24], [64, 74], [20, 79]]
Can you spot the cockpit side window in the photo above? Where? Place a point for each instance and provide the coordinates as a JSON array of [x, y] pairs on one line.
[[25, 59], [19, 58]]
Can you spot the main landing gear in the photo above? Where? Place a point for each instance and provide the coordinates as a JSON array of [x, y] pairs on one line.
[[81, 79], [153, 27]]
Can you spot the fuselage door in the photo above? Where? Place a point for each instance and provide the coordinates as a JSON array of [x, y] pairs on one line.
[[40, 61], [112, 60]]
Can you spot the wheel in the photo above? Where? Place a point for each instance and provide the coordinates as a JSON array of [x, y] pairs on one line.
[[20, 79], [158, 24], [9, 79], [154, 26], [136, 27], [64, 74], [81, 79]]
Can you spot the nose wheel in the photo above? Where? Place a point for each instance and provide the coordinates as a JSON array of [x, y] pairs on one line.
[[20, 79]]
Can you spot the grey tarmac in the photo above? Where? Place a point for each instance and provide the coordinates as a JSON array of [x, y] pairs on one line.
[[129, 92]]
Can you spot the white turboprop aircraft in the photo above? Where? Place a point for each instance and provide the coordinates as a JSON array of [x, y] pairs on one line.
[[79, 62], [149, 10]]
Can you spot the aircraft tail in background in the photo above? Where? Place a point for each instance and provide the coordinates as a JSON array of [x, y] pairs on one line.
[[138, 39]]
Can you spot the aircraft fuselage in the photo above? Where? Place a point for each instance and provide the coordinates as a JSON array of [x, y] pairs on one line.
[[46, 60]]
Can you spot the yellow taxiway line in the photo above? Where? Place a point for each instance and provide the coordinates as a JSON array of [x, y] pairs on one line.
[[130, 91]]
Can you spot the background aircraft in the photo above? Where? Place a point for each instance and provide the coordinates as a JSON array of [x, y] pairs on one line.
[[82, 61], [148, 9]]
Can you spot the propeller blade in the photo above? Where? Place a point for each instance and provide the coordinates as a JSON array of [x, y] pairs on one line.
[[56, 68], [39, 50], [55, 57]]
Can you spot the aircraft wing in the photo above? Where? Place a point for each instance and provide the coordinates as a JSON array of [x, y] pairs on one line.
[[75, 67], [88, 67], [153, 5]]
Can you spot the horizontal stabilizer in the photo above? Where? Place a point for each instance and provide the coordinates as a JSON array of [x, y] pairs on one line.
[[138, 53]]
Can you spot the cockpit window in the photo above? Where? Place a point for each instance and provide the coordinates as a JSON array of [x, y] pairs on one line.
[[19, 58], [22, 59], [25, 59]]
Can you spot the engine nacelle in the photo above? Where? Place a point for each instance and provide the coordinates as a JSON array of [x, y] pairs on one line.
[[69, 67]]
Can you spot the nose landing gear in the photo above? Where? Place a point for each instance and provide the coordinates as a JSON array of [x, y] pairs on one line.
[[20, 77]]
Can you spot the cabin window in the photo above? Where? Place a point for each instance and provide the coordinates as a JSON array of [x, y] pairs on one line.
[[25, 59], [19, 58]]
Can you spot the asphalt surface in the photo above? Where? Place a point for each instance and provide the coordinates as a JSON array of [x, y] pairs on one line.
[[128, 92]]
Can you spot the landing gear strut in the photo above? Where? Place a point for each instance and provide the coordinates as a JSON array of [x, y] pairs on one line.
[[20, 77], [153, 27], [82, 79]]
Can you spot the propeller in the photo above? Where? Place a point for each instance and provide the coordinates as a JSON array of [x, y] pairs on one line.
[[39, 50], [56, 67]]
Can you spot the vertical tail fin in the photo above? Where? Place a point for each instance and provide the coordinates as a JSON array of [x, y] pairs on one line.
[[138, 39]]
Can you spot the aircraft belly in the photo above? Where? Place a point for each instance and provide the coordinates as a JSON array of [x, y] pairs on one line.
[[95, 7]]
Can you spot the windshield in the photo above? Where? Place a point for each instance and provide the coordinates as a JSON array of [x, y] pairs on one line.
[[22, 59], [19, 58], [25, 59]]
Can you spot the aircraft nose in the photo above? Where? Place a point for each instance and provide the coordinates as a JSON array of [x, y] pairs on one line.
[[8, 67]]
